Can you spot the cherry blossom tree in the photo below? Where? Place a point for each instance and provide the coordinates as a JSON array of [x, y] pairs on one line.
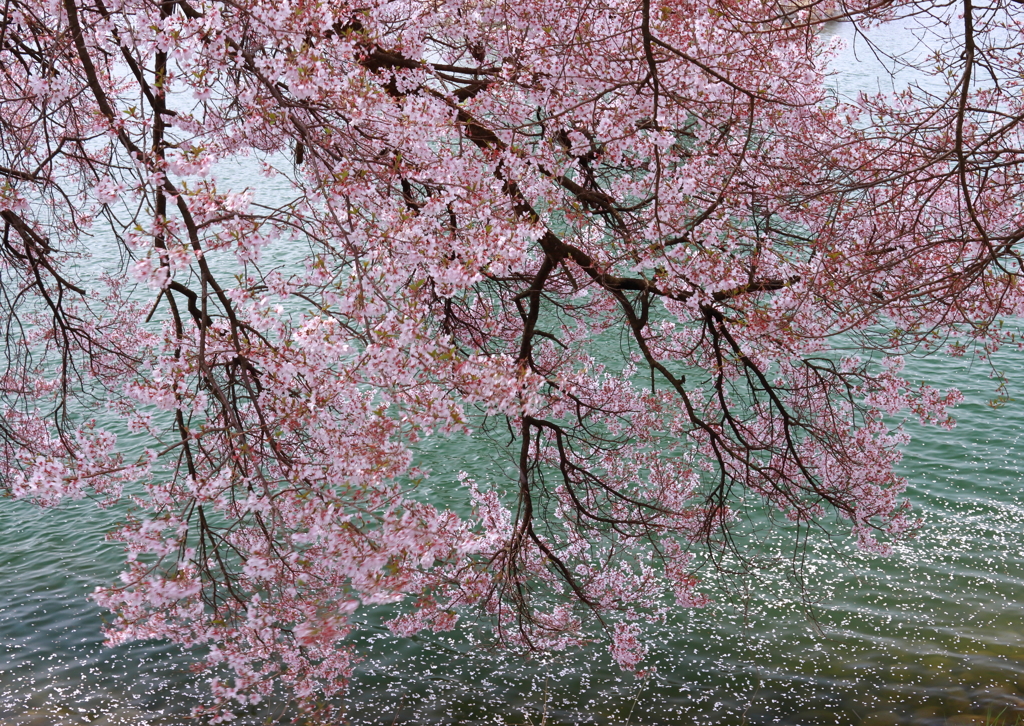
[[641, 239]]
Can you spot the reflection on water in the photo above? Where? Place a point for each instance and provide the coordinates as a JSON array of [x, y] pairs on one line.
[[930, 635]]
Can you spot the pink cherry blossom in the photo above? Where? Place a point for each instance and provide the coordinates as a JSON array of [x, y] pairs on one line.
[[635, 241]]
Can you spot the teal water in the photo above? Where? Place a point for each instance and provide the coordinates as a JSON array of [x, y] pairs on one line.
[[931, 635], [931, 632]]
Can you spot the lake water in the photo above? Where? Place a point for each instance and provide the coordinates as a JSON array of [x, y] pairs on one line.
[[931, 635]]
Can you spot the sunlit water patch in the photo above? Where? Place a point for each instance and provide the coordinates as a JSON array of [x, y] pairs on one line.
[[930, 633]]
